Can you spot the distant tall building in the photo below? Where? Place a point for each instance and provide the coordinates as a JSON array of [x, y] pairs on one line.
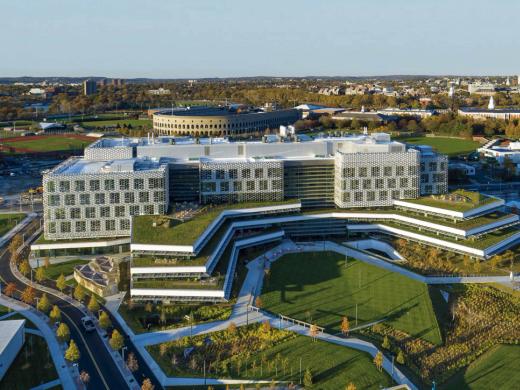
[[102, 82], [118, 82], [89, 87], [491, 104]]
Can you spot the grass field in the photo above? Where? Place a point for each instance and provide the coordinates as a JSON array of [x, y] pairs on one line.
[[318, 288], [9, 221], [32, 366], [54, 270], [48, 143], [121, 122], [498, 368], [449, 146], [332, 366]]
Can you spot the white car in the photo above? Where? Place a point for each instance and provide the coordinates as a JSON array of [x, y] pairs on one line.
[[88, 324]]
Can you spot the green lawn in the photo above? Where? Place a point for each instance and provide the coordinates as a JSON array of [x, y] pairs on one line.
[[121, 122], [9, 221], [449, 146], [183, 233], [261, 356], [498, 368], [50, 143], [475, 199], [318, 288], [32, 366], [55, 270]]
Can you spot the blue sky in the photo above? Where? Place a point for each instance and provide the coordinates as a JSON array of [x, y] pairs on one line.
[[224, 38]]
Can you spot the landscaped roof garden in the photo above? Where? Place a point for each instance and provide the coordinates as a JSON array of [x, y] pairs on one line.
[[171, 231], [459, 200]]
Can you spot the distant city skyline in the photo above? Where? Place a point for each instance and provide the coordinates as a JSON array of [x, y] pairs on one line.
[[231, 38]]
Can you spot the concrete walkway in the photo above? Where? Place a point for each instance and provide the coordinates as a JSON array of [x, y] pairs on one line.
[[66, 373]]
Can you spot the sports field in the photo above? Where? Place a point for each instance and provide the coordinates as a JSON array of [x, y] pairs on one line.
[[318, 288], [446, 145], [499, 368], [47, 143]]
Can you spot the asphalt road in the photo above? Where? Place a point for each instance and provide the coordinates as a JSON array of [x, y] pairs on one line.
[[95, 359]]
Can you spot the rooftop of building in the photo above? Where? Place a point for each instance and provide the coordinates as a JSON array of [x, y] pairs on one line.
[[80, 166], [229, 110], [459, 200], [8, 330], [511, 110]]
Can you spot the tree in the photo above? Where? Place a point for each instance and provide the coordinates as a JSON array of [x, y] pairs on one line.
[[313, 331], [307, 378], [232, 328], [351, 386], [72, 353], [10, 289], [378, 360], [79, 292], [84, 377], [24, 267], [15, 243], [63, 332], [477, 266], [258, 302], [131, 362], [55, 314], [61, 283], [44, 304], [400, 357], [386, 343], [345, 325], [46, 263], [40, 274], [28, 295], [117, 340], [93, 304], [148, 307], [104, 320], [147, 385]]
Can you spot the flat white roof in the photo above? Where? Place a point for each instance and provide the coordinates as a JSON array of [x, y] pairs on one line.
[[81, 166], [8, 330]]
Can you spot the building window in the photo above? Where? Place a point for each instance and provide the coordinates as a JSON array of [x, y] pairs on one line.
[[358, 196], [54, 200], [124, 224], [380, 183], [274, 172], [224, 186], [349, 172], [233, 174], [158, 196], [264, 186], [51, 186], [110, 225], [246, 173], [64, 186], [70, 200], [124, 184], [354, 185], [95, 226], [79, 185], [346, 197], [99, 198], [399, 170], [259, 173], [412, 170], [396, 194], [134, 210], [51, 227], [383, 195], [387, 171], [114, 197], [367, 184], [119, 211], [155, 182], [205, 175], [75, 213], [403, 182], [376, 171], [277, 184], [392, 183], [84, 199], [148, 209], [59, 214], [250, 185], [144, 197], [138, 184], [94, 185], [220, 174], [432, 166], [129, 197], [90, 212], [104, 212], [81, 226], [209, 186], [371, 196], [363, 172], [109, 185], [425, 178], [65, 227], [237, 186]]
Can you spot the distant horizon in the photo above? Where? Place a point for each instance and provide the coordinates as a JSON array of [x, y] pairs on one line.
[[185, 39]]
